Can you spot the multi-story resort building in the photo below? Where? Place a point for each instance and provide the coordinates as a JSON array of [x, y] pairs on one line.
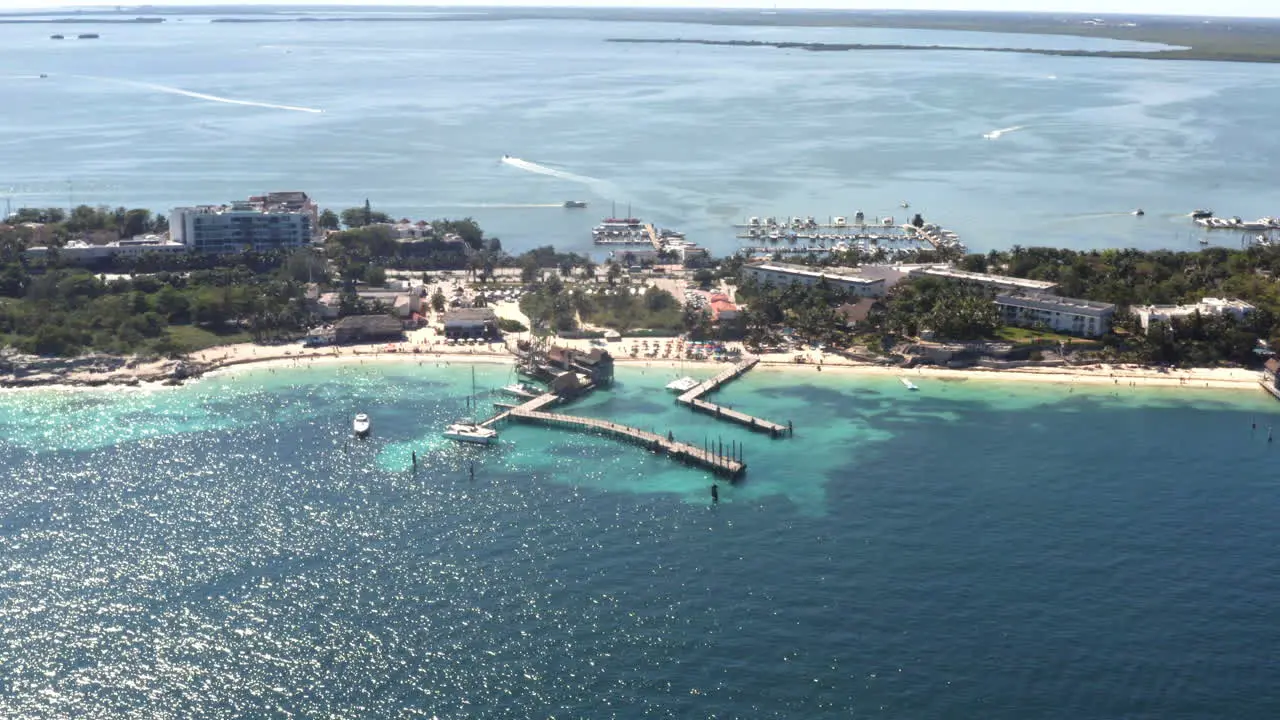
[[268, 222], [1148, 314], [850, 280], [1000, 282], [1061, 314], [82, 253]]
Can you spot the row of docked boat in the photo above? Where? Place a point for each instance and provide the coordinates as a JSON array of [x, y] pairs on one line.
[[791, 237], [1205, 219], [808, 222]]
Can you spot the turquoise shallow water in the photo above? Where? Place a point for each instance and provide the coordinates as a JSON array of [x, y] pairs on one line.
[[971, 550]]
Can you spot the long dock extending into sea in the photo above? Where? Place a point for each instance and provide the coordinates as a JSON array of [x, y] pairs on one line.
[[693, 399], [701, 457], [707, 458]]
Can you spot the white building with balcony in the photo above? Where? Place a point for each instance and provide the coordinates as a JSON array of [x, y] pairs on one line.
[[1060, 314], [262, 223], [850, 280]]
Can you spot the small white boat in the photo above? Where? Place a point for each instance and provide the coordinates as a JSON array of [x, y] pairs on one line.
[[683, 385], [522, 390], [469, 432], [909, 385], [361, 425]]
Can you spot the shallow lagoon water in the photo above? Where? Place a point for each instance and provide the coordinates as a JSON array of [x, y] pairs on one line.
[[973, 549]]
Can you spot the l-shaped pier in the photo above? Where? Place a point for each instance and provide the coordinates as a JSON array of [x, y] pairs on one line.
[[693, 399]]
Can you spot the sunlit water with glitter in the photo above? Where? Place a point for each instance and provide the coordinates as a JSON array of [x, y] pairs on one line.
[[971, 550]]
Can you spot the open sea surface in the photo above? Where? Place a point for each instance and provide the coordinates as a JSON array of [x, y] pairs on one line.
[[971, 550], [1004, 148]]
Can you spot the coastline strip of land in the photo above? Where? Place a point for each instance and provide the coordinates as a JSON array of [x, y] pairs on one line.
[[247, 356], [1177, 53]]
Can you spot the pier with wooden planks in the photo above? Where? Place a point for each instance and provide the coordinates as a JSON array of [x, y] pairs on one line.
[[712, 459], [693, 399], [532, 408]]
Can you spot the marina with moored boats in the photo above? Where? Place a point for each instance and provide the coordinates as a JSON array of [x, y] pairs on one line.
[[844, 233]]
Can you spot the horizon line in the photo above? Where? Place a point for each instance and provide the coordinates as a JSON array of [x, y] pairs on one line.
[[112, 7]]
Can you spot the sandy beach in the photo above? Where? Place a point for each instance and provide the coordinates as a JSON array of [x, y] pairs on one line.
[[423, 348], [248, 355]]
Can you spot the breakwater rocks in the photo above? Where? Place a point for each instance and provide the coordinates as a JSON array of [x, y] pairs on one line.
[[18, 370]]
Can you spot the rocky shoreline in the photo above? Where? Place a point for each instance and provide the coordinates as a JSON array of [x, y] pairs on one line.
[[97, 370]]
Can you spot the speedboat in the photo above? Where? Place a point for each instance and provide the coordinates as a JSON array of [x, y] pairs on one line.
[[361, 425], [1201, 214], [574, 204], [909, 385], [1139, 212], [469, 432]]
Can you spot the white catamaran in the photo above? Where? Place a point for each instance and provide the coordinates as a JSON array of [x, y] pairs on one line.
[[468, 430]]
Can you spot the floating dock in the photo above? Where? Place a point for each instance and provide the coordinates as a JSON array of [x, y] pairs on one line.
[[693, 400]]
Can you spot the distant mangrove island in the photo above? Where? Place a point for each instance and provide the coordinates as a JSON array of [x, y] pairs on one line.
[[1174, 53]]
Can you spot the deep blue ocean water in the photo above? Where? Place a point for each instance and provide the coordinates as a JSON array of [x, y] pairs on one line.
[[416, 117], [973, 550]]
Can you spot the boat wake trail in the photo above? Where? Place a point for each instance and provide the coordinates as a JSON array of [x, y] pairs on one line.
[[996, 134], [497, 206], [200, 95], [604, 188]]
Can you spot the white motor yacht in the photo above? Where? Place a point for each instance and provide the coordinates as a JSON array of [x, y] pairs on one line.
[[682, 385], [361, 425], [469, 432]]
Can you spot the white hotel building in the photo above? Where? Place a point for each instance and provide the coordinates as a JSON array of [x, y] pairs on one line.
[[1060, 314], [1148, 314], [850, 280]]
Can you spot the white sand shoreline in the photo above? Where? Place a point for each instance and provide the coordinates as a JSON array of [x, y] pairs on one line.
[[226, 360]]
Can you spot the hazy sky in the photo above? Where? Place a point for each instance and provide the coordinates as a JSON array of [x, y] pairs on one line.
[[1247, 8]]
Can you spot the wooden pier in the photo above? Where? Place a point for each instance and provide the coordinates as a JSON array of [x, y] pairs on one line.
[[684, 452], [708, 458], [693, 399], [537, 403]]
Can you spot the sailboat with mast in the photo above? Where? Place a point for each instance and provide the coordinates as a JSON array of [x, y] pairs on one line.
[[468, 430]]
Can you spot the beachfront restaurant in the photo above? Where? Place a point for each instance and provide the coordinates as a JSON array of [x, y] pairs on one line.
[[368, 328], [466, 323]]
